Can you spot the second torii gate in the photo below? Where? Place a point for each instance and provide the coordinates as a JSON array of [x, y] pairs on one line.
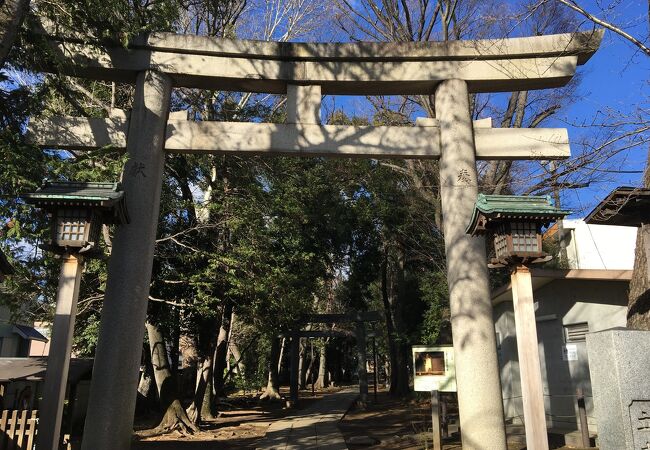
[[448, 70], [358, 318]]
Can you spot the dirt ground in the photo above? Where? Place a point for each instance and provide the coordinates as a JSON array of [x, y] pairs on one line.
[[393, 424], [397, 424], [240, 425]]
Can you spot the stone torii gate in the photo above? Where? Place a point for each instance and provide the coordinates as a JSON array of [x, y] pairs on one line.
[[358, 318], [448, 70]]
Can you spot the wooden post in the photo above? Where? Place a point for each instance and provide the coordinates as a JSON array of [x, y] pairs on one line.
[[443, 417], [582, 413], [529, 367], [435, 420], [294, 375], [58, 362]]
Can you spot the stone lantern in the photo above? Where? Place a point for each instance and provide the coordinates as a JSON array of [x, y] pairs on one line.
[[515, 225], [78, 212]]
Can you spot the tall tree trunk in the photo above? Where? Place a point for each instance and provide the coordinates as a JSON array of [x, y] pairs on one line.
[[283, 343], [206, 342], [390, 328], [174, 417], [403, 347], [221, 352], [200, 409], [302, 365], [638, 313], [208, 407], [392, 289], [240, 367], [147, 394], [272, 391], [321, 382], [309, 373], [12, 13], [174, 350], [190, 356]]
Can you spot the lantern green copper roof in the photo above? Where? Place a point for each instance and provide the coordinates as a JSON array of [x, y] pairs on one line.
[[515, 207], [75, 190], [107, 197]]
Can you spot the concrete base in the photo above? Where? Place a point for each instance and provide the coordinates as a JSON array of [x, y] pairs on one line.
[[619, 364]]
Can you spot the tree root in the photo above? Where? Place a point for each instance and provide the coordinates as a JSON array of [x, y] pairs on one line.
[[175, 419], [270, 394], [193, 416]]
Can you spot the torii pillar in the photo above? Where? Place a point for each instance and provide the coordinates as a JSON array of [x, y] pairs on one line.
[[477, 369], [109, 419]]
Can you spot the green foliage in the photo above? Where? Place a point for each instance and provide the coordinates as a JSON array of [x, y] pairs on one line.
[[86, 334], [433, 289], [116, 20]]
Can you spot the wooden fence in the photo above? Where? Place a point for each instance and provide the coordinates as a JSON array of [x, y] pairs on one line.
[[17, 429]]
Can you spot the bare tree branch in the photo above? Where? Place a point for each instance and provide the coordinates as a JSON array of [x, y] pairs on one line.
[[577, 8]]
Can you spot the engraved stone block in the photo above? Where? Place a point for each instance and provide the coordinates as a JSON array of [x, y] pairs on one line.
[[619, 364], [640, 422]]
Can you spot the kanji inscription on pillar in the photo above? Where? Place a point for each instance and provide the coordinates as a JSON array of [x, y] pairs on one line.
[[464, 176], [137, 169], [640, 421]]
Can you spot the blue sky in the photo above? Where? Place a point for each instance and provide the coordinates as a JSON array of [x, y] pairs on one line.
[[615, 81]]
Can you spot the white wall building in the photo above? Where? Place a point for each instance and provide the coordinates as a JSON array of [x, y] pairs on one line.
[[603, 247]]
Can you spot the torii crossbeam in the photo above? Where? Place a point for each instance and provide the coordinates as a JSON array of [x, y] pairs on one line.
[[300, 139], [448, 70]]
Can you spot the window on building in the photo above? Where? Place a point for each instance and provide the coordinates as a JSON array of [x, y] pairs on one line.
[[576, 332]]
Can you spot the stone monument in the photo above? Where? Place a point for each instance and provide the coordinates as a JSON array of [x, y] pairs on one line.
[[619, 364]]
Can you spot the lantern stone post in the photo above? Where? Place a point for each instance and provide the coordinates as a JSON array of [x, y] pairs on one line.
[[477, 370], [530, 373], [58, 361], [78, 212], [515, 223]]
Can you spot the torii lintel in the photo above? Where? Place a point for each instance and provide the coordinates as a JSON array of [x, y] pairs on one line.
[[492, 65]]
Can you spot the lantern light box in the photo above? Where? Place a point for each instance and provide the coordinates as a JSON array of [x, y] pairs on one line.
[[515, 224], [434, 368], [78, 212]]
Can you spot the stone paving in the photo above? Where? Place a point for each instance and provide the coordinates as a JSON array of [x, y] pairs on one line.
[[315, 427]]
